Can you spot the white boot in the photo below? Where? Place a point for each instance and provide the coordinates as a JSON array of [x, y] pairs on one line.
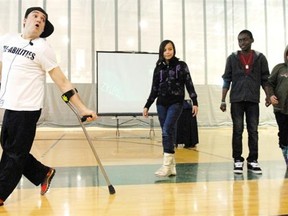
[[173, 167], [165, 169]]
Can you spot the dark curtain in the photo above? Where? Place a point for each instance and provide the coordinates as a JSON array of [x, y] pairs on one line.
[[187, 129]]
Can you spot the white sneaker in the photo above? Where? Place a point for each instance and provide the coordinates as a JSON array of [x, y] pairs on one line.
[[238, 167]]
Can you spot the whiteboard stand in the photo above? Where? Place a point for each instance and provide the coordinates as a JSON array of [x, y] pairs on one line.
[[151, 132], [151, 123]]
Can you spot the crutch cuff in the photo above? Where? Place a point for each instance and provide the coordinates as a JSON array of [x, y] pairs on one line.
[[67, 95]]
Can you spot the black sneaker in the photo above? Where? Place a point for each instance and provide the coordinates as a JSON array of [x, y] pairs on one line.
[[254, 167], [238, 167]]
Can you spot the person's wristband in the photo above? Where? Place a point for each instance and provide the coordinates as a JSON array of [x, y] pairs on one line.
[[223, 103]]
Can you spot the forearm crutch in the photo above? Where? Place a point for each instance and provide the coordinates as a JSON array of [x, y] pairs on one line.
[[66, 98]]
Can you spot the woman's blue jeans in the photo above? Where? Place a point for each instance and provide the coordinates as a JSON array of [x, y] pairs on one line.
[[168, 116], [251, 111]]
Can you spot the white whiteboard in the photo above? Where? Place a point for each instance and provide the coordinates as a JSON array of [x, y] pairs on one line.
[[124, 82]]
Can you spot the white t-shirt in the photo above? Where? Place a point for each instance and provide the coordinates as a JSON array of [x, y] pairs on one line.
[[24, 67]]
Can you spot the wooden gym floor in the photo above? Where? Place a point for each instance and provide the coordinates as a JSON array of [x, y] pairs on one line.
[[205, 184]]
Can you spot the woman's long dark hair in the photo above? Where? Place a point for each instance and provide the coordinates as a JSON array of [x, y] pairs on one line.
[[162, 48]]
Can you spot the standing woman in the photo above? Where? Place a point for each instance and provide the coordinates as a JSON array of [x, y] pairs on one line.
[[278, 93], [169, 79]]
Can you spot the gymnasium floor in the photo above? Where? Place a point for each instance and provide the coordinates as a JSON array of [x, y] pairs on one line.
[[205, 184]]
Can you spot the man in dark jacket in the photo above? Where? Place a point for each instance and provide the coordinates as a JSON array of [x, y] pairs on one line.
[[246, 71]]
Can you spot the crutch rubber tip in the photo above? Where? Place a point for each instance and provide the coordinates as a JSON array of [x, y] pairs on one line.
[[111, 189]]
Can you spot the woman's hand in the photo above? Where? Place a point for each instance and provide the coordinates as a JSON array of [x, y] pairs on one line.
[[145, 112]]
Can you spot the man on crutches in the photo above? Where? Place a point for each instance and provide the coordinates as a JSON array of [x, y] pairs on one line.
[[24, 60]]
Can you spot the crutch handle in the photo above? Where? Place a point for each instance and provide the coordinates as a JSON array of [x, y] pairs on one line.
[[84, 118]]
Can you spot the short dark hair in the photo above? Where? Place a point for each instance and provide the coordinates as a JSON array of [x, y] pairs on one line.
[[249, 33]]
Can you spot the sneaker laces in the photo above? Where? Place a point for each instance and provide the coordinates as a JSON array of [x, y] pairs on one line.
[[254, 164], [238, 164]]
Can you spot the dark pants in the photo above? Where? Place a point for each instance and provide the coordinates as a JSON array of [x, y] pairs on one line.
[[168, 116], [251, 112], [282, 122], [17, 136]]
